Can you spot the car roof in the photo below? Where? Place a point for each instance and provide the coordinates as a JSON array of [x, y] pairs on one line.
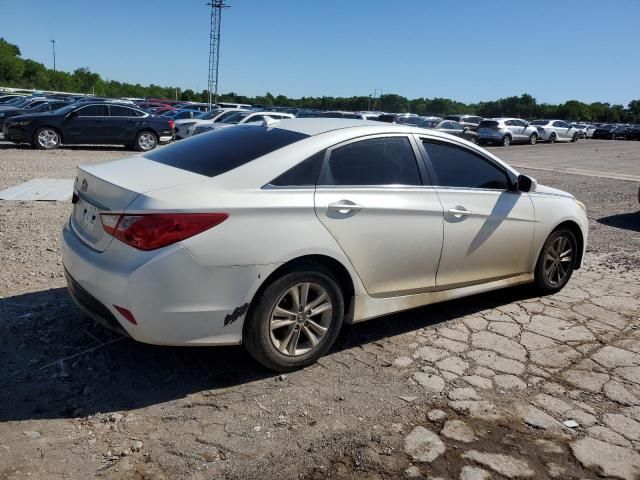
[[319, 125]]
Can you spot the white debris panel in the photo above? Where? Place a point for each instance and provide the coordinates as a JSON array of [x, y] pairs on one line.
[[47, 189]]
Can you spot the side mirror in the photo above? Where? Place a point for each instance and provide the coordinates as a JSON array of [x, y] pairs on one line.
[[526, 184]]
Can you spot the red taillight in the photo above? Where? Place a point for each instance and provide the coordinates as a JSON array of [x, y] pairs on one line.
[[157, 230], [172, 124]]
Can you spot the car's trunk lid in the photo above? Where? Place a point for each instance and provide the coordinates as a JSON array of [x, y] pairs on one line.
[[112, 187]]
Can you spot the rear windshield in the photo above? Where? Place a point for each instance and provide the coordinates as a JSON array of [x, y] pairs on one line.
[[222, 150], [488, 124]]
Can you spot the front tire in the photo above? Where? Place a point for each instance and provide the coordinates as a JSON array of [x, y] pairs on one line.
[[46, 138], [556, 262], [533, 139], [574, 139], [552, 138], [145, 141], [296, 319]]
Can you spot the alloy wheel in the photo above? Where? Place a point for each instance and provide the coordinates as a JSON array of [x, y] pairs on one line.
[[147, 141], [48, 138], [558, 261], [506, 141], [300, 319]]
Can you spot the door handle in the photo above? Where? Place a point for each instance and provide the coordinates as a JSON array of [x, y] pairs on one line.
[[459, 212], [344, 207]]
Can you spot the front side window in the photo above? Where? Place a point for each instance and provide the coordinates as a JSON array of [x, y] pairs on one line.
[[376, 161], [459, 167], [93, 111]]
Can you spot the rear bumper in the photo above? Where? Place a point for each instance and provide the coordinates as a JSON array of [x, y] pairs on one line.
[[92, 306], [175, 300]]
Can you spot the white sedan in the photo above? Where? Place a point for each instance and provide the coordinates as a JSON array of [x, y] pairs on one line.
[[273, 235], [555, 131], [240, 118], [184, 128]]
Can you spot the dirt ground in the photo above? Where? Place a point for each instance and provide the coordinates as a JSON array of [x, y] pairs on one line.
[[471, 389]]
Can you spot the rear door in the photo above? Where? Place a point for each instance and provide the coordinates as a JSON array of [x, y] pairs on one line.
[[488, 227], [520, 131], [123, 123], [373, 197]]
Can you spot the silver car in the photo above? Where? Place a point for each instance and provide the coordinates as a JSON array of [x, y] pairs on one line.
[[556, 131], [506, 131]]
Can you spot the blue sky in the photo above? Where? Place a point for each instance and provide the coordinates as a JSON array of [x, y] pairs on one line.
[[461, 49]]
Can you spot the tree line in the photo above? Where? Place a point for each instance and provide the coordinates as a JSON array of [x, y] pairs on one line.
[[25, 73]]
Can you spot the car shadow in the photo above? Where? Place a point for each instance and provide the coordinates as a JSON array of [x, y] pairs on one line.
[[5, 145], [56, 363], [626, 221]]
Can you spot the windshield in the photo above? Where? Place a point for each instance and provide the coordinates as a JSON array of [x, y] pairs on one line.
[[208, 115], [428, 123], [236, 118], [539, 122]]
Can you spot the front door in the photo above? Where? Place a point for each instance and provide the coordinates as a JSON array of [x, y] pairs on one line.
[[372, 198], [488, 226], [86, 125]]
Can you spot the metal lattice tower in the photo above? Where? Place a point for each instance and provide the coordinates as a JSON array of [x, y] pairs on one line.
[[214, 48]]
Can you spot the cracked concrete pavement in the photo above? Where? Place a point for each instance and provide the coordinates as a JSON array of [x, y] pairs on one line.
[[501, 385]]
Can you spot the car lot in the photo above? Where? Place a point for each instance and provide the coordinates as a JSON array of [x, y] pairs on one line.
[[505, 368]]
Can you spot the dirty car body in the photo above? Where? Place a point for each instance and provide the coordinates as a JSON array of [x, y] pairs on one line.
[[181, 245]]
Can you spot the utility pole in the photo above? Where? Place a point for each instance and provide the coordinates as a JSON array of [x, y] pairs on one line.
[[53, 46], [214, 48]]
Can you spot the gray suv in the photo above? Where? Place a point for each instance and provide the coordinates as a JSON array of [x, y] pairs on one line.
[[505, 131]]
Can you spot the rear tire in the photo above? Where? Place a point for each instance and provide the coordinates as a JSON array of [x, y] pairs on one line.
[[146, 141], [533, 139], [284, 336], [506, 141], [556, 262], [46, 138]]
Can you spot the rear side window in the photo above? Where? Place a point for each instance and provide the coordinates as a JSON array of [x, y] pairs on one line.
[[458, 167], [93, 111], [222, 150], [376, 161], [305, 174]]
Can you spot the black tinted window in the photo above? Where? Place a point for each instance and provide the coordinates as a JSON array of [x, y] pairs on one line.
[[93, 111], [305, 174], [117, 111], [377, 161], [217, 152], [459, 167]]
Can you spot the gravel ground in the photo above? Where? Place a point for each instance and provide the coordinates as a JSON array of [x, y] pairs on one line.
[[471, 389]]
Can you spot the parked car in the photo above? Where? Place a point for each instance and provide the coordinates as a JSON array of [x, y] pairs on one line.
[[44, 106], [505, 131], [9, 97], [201, 107], [555, 131], [633, 132], [240, 118], [185, 128], [611, 132], [584, 130], [428, 122], [181, 114], [262, 235], [469, 121], [454, 128], [93, 123]]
